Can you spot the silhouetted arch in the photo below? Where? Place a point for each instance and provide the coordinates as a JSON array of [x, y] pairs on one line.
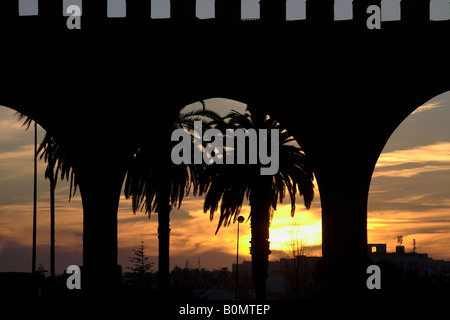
[[420, 97]]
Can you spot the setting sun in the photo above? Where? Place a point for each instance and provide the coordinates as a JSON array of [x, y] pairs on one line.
[[305, 229]]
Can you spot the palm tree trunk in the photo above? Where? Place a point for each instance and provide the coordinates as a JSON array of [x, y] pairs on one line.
[[163, 209], [163, 247], [260, 245]]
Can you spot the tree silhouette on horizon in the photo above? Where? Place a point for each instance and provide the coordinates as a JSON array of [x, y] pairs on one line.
[[140, 265], [230, 184]]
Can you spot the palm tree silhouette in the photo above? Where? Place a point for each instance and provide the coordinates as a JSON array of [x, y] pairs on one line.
[[58, 164], [153, 182], [229, 185], [156, 184]]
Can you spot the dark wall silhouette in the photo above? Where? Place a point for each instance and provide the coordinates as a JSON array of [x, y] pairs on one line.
[[320, 11], [228, 10], [273, 10], [415, 10], [136, 9], [182, 9]]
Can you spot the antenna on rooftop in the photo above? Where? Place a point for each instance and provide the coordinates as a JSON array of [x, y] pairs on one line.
[[414, 245]]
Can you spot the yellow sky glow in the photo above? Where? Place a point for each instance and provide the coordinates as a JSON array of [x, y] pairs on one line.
[[417, 210]]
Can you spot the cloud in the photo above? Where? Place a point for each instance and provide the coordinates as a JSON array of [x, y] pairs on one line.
[[409, 194], [410, 172], [408, 163], [16, 163], [12, 133], [16, 223], [427, 106], [409, 198], [436, 152]]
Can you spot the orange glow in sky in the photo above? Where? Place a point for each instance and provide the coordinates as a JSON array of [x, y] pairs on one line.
[[409, 196]]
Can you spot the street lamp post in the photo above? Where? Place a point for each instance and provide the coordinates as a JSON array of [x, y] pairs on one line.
[[33, 253], [240, 220]]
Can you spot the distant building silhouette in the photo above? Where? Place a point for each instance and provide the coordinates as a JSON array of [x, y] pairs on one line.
[[400, 249], [418, 263], [287, 278], [21, 285], [376, 248]]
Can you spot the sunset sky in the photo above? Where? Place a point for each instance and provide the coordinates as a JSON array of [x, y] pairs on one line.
[[410, 189], [192, 236], [409, 196]]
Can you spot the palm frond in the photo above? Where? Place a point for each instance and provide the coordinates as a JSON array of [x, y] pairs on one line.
[[27, 121], [57, 159], [228, 190], [58, 163], [152, 178]]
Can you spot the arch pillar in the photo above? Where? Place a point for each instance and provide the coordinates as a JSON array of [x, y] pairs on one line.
[[99, 154], [100, 186], [344, 188]]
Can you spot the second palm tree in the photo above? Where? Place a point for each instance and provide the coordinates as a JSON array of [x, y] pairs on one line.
[[230, 184]]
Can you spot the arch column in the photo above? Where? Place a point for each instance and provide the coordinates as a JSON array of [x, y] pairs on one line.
[[344, 189], [99, 154], [100, 188], [343, 151]]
